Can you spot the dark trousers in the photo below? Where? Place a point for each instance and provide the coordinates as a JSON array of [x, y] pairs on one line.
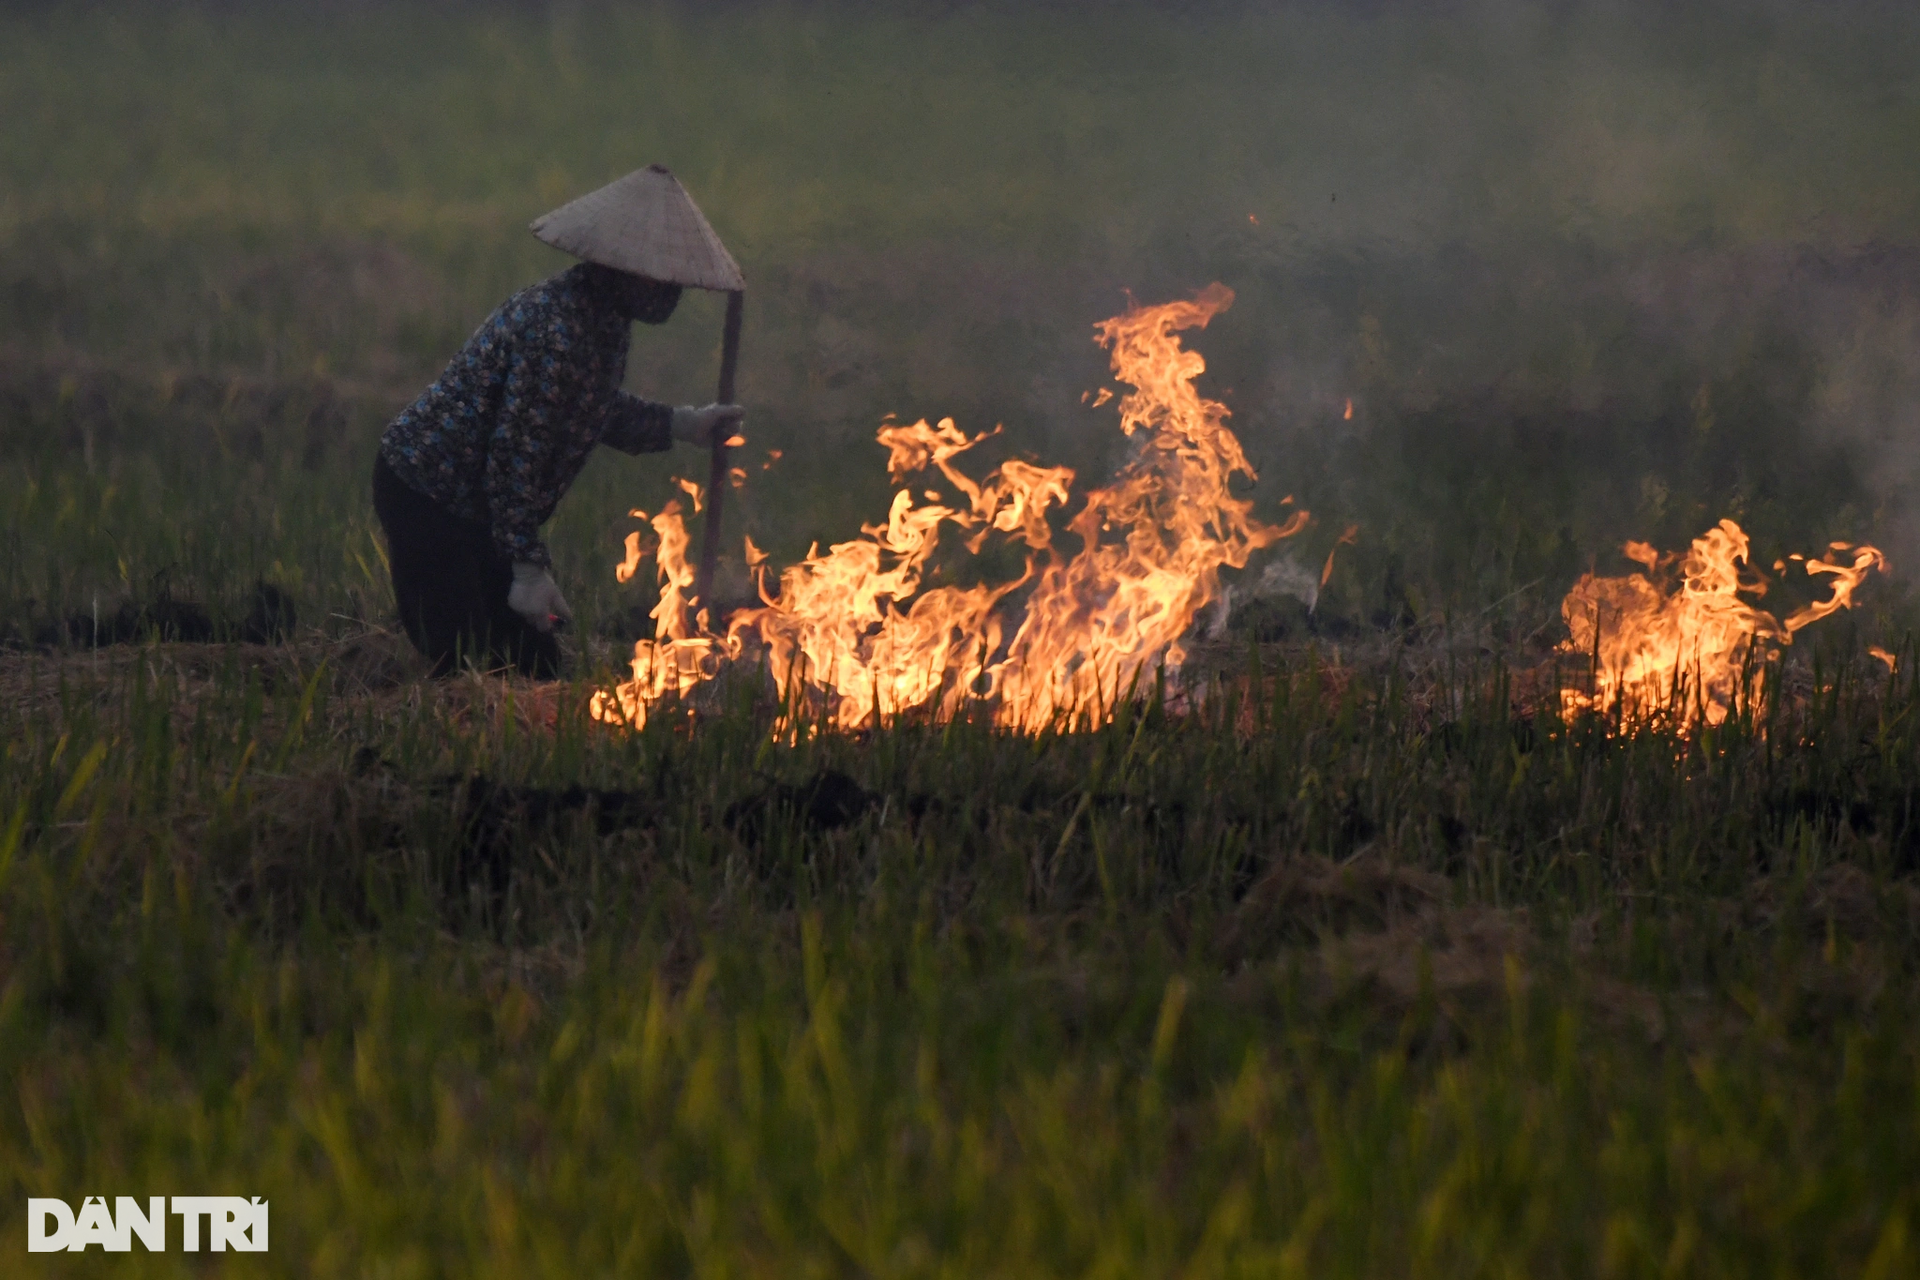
[[451, 584]]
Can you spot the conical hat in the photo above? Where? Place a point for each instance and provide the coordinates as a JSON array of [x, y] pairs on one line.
[[645, 223]]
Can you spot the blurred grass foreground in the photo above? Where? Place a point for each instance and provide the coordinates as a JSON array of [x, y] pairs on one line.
[[1365, 963]]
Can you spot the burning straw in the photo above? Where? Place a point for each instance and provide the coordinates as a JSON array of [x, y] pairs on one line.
[[1683, 653], [856, 632]]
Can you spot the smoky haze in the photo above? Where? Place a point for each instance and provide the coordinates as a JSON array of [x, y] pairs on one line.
[[1583, 272]]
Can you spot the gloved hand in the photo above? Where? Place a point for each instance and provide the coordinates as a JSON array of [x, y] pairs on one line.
[[535, 596], [709, 426]]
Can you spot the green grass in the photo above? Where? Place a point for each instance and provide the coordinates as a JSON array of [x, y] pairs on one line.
[[1325, 978], [1361, 964]]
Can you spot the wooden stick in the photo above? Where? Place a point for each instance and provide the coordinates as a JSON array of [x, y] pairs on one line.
[[717, 475]]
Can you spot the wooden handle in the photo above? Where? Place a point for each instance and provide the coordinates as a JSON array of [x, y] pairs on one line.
[[717, 475]]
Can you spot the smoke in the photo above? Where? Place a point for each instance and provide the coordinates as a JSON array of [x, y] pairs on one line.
[[1586, 272]]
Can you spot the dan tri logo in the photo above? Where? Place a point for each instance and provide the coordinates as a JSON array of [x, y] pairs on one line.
[[231, 1222]]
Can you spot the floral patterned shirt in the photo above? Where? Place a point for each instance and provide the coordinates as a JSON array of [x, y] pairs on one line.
[[505, 430]]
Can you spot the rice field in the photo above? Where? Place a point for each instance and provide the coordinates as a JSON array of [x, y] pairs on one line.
[[1339, 952]]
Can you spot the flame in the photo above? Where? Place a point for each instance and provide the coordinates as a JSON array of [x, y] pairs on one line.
[[1346, 539], [1846, 580], [681, 655], [624, 571], [1885, 655], [1685, 655], [861, 632]]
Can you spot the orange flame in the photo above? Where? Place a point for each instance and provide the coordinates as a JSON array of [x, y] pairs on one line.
[[1346, 539], [1846, 580], [1153, 541], [858, 631], [624, 571], [681, 655], [1684, 656]]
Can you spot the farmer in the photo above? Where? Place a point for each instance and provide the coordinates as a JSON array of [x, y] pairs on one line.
[[468, 473]]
